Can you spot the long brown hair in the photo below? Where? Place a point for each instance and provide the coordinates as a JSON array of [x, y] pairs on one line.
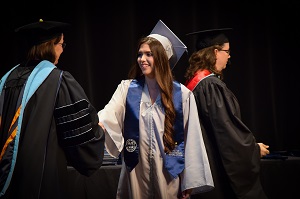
[[164, 78]]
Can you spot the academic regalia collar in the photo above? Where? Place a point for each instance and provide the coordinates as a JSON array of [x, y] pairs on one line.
[[199, 75]]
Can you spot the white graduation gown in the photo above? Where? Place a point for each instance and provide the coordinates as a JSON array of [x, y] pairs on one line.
[[149, 179]]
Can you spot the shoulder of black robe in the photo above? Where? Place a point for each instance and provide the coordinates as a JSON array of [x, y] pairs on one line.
[[41, 165], [236, 155]]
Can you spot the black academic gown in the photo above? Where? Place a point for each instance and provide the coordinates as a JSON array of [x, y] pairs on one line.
[[46, 148], [232, 150]]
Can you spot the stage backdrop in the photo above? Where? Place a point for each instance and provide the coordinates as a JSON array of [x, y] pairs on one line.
[[102, 46]]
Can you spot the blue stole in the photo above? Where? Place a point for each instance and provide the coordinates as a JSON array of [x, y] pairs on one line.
[[174, 161], [35, 79]]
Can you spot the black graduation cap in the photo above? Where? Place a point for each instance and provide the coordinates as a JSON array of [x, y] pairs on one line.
[[207, 38], [41, 31]]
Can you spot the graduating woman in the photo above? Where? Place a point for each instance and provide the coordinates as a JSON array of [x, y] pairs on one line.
[[153, 121]]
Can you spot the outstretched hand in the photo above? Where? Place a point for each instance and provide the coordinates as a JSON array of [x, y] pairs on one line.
[[263, 149], [186, 194], [102, 126]]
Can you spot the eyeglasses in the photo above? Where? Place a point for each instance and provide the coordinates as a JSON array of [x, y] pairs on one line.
[[227, 51], [63, 45]]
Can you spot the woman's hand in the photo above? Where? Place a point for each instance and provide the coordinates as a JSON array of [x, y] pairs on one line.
[[102, 126], [186, 194], [263, 149]]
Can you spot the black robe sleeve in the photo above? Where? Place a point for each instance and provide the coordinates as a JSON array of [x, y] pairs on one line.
[[77, 124]]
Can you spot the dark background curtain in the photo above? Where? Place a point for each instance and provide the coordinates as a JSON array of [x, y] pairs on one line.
[[101, 47]]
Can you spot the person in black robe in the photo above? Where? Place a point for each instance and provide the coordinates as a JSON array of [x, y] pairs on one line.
[[47, 121], [232, 149]]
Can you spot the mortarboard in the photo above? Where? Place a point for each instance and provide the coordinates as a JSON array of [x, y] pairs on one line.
[[172, 44], [41, 31], [207, 38]]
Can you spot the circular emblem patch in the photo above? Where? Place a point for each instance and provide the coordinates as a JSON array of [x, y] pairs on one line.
[[130, 145]]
